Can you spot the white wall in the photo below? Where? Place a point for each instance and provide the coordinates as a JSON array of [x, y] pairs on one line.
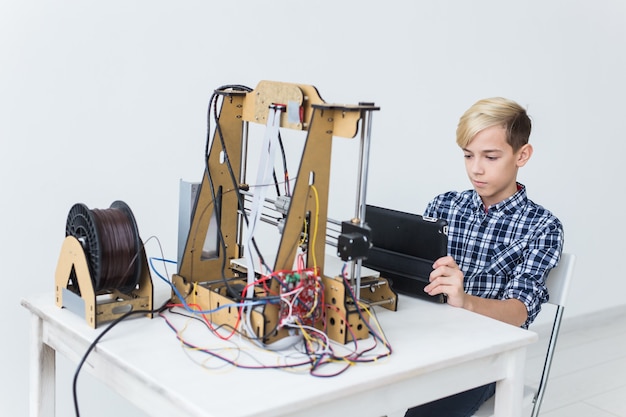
[[107, 100]]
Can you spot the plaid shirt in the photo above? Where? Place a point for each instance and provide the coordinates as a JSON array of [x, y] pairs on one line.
[[505, 252]]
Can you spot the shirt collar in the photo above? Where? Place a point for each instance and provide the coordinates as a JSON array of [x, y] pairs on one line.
[[508, 206]]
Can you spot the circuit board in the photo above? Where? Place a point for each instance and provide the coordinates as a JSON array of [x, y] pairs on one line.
[[301, 296]]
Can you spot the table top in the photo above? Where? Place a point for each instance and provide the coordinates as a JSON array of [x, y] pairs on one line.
[[425, 337]]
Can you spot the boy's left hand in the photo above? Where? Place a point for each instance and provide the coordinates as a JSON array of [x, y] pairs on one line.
[[446, 278]]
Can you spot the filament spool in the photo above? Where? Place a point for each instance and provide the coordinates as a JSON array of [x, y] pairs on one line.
[[111, 242]]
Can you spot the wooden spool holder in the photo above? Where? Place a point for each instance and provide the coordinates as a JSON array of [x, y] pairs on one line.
[[74, 288]]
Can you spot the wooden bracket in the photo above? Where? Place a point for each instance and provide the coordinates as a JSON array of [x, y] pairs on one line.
[[74, 288], [345, 321]]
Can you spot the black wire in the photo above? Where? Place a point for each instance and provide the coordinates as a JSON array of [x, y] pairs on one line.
[[97, 339], [234, 181], [212, 108], [366, 322], [276, 183], [284, 156], [240, 198], [285, 172]]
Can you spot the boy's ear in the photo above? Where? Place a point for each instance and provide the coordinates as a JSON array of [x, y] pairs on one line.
[[524, 154]]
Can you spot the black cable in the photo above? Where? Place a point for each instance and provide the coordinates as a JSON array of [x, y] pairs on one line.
[[100, 336], [212, 108], [218, 134], [234, 181], [276, 183], [285, 171]]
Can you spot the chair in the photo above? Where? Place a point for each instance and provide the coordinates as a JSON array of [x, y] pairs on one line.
[[558, 283]]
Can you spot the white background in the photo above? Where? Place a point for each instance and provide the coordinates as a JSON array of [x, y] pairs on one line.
[[106, 100]]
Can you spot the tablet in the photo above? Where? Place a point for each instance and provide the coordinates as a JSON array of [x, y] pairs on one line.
[[404, 247]]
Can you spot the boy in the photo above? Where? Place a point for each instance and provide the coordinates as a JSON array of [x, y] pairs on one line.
[[501, 245]]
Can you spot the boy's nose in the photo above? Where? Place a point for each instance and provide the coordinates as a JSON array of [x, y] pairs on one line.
[[476, 166]]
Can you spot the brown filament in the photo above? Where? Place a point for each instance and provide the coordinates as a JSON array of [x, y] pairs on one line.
[[119, 256]]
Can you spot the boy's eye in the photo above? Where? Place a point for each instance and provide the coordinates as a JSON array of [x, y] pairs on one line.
[[492, 158]]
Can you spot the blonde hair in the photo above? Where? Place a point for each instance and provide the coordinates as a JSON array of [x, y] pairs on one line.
[[491, 112]]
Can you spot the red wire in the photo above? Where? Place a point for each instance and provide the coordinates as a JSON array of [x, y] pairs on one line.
[[208, 322]]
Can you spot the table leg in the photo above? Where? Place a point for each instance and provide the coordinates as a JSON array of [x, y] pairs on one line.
[[42, 372], [510, 391]]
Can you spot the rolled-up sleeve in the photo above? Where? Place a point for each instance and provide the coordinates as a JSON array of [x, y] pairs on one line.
[[528, 281]]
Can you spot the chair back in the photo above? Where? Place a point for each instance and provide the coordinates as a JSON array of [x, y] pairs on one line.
[[558, 283], [559, 278]]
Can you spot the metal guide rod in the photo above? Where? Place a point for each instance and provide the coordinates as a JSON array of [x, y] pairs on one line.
[[245, 142], [361, 198]]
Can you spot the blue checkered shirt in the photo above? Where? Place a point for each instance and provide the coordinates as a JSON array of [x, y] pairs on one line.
[[505, 252]]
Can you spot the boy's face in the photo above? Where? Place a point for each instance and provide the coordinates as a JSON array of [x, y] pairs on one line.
[[492, 165]]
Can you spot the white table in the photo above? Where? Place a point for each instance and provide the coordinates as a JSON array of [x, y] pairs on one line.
[[438, 350]]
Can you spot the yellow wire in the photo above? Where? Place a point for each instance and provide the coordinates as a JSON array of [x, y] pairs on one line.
[[305, 227], [317, 213], [374, 319]]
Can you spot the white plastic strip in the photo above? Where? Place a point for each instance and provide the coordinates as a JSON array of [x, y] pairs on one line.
[[263, 180]]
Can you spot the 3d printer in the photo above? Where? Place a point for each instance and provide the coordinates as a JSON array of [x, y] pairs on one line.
[[221, 265]]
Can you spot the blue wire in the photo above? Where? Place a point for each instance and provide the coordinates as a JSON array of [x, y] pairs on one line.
[[182, 299]]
